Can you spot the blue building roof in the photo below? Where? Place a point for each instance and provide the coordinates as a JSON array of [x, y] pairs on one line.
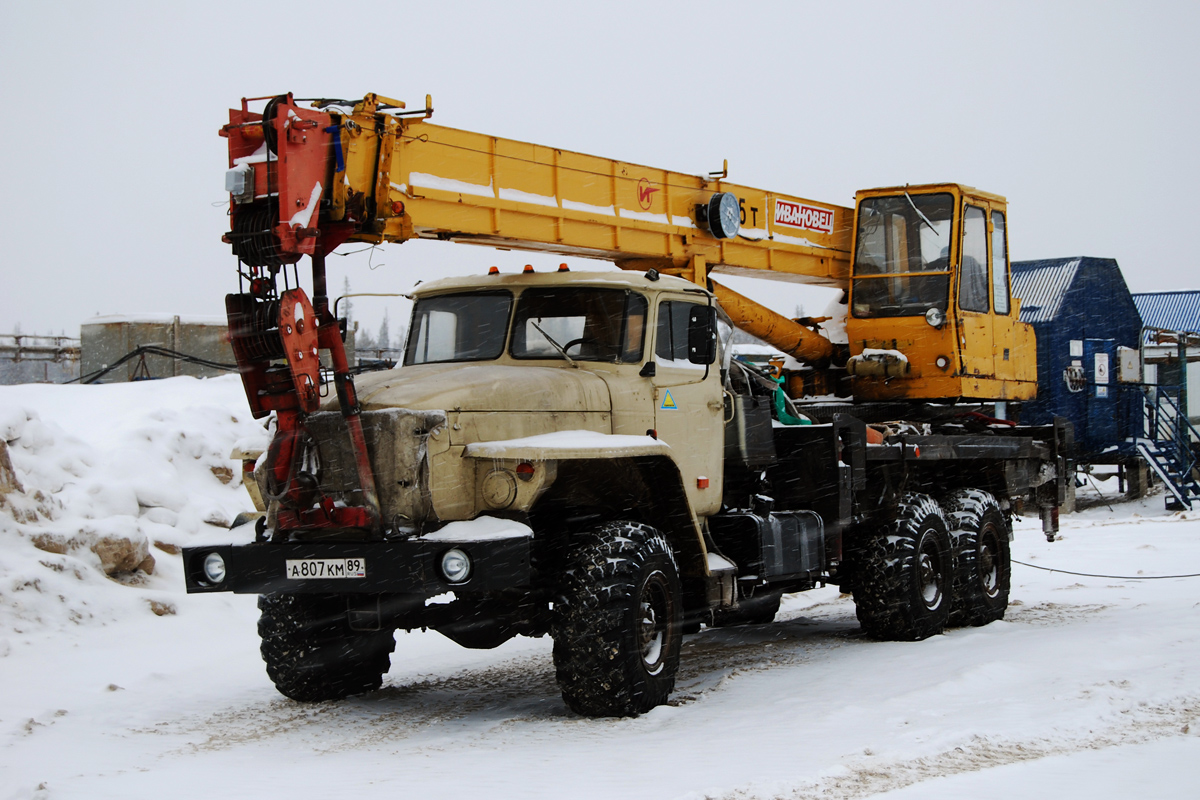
[[1171, 311], [1042, 286]]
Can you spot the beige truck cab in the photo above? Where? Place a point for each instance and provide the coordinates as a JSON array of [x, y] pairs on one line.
[[555, 390]]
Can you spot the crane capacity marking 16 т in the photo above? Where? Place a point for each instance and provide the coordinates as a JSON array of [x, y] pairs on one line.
[[577, 454]]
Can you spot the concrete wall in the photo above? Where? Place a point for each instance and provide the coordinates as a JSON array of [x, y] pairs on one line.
[[105, 340]]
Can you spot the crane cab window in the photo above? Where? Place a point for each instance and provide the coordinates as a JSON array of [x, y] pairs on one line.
[[587, 324], [902, 255], [458, 327], [1000, 287], [973, 278]]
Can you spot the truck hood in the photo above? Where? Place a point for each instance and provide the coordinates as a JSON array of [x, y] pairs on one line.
[[482, 387]]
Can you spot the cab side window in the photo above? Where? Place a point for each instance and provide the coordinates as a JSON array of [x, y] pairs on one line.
[[999, 264], [973, 279], [671, 341]]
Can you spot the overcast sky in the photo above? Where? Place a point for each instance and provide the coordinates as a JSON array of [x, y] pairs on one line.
[[1083, 114]]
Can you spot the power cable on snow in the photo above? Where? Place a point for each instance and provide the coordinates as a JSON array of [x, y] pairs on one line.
[[1111, 577]]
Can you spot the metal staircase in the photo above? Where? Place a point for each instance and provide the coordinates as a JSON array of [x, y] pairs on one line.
[[1170, 445]]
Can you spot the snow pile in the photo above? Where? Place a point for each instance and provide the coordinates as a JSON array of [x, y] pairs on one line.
[[483, 529], [106, 483]]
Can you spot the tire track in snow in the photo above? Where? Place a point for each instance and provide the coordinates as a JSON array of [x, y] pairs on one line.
[[793, 638], [513, 692], [1051, 614], [523, 690], [865, 777]]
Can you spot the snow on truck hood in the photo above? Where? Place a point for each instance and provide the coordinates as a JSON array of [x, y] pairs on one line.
[[483, 387]]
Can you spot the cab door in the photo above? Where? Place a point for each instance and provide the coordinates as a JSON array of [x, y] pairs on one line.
[[973, 302], [688, 403]]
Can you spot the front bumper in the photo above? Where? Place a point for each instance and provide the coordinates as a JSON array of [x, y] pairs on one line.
[[401, 567]]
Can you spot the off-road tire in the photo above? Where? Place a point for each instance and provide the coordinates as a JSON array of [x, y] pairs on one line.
[[983, 567], [752, 611], [312, 654], [904, 572], [618, 622]]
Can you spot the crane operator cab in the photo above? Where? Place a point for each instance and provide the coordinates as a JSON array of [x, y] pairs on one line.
[[931, 315]]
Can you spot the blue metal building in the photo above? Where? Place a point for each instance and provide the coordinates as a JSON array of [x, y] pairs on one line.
[[1084, 317]]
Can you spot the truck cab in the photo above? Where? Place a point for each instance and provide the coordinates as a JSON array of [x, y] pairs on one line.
[[525, 358]]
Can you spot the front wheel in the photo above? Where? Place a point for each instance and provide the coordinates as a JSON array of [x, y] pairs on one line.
[[312, 654], [904, 570], [618, 624]]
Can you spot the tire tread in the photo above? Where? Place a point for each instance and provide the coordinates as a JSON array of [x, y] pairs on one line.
[[312, 654], [598, 672], [966, 511], [883, 583]]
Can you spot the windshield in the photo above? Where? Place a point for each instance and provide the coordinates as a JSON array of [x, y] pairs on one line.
[[458, 327], [902, 255], [587, 324]]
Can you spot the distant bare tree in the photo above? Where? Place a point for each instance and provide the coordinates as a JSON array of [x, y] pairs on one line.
[[384, 339]]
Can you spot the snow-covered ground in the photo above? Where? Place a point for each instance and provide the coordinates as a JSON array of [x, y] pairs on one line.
[[129, 688]]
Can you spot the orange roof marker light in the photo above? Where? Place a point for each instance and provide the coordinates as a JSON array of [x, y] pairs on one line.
[[493, 270], [563, 268], [528, 268]]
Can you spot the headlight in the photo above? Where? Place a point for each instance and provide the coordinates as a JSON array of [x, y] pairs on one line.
[[214, 568], [456, 565], [935, 317]]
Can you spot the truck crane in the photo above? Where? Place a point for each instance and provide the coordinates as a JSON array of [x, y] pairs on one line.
[[578, 454]]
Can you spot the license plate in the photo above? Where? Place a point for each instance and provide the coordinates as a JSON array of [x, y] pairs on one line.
[[302, 568]]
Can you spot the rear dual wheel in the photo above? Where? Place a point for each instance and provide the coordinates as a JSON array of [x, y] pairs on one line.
[[903, 573], [983, 566]]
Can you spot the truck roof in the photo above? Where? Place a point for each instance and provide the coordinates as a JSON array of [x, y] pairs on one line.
[[615, 279]]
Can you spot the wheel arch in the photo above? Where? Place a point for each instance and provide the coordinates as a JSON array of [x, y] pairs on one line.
[[647, 489]]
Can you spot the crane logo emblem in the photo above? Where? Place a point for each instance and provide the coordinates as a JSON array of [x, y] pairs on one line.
[[646, 192]]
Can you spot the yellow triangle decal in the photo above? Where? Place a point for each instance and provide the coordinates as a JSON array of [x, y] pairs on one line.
[[668, 401]]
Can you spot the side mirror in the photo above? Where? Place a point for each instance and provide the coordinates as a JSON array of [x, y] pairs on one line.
[[702, 334]]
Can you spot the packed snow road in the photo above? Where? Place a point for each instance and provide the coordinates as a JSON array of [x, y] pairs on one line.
[[135, 690]]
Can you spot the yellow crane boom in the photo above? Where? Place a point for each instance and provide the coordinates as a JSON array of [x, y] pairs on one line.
[[428, 181]]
